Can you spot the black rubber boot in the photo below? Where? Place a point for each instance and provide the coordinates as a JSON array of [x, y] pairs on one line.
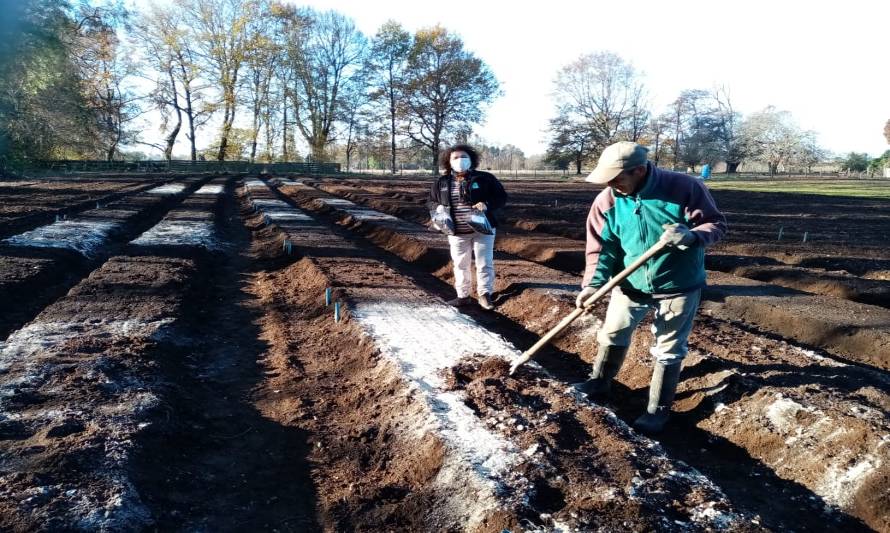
[[661, 395], [606, 366]]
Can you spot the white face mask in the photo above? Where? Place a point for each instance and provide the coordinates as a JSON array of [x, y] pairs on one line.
[[461, 165]]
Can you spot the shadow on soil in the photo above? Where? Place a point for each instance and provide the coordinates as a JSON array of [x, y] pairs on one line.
[[211, 461], [752, 485]]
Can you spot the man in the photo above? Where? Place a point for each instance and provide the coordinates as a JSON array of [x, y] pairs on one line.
[[640, 206]]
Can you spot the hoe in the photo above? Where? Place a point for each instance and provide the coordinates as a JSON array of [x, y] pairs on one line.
[[588, 304]]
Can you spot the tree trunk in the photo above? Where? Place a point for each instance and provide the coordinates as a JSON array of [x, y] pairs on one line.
[[228, 118], [318, 145], [284, 153], [435, 151], [113, 148], [171, 138], [190, 115], [224, 135], [267, 119], [255, 133], [578, 160], [392, 128]]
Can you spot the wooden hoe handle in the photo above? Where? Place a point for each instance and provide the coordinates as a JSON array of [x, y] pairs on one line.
[[563, 324]]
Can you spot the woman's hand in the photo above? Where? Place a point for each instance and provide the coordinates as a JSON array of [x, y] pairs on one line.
[[480, 206]]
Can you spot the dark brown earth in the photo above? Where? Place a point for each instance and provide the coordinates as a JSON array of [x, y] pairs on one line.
[[246, 407], [26, 204], [726, 460], [550, 500], [844, 235], [31, 277]]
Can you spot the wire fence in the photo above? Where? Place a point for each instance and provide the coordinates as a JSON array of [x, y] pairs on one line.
[[501, 173], [38, 168], [572, 174]]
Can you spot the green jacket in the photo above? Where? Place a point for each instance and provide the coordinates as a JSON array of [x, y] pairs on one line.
[[620, 228]]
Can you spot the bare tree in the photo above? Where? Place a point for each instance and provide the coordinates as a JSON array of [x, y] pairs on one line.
[[155, 33], [284, 81], [220, 29], [507, 157], [638, 121], [196, 105], [446, 88], [684, 113], [772, 137], [887, 131], [262, 56], [604, 93], [659, 127], [808, 152], [386, 67], [355, 116], [570, 143], [270, 107], [728, 129], [324, 50], [174, 66], [107, 72]]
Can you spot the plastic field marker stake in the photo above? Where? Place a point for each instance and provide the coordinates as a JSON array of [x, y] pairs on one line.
[[781, 229], [336, 311], [805, 236], [327, 296]]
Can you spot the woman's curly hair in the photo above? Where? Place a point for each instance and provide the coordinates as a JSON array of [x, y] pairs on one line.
[[445, 156]]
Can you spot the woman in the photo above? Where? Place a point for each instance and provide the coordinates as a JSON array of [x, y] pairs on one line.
[[467, 193]]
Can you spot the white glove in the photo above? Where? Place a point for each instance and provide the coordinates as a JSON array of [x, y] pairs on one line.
[[440, 209], [480, 206], [585, 293], [677, 235]]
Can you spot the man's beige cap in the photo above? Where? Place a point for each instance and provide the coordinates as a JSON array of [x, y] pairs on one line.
[[617, 157]]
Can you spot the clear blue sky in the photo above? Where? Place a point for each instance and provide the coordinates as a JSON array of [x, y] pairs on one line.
[[825, 62]]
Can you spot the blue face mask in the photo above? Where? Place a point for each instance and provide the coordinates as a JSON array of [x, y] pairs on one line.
[[461, 165]]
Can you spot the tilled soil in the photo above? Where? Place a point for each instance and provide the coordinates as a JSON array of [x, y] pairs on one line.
[[25, 204], [844, 235], [196, 379], [626, 494], [227, 463], [533, 310], [33, 276], [80, 383]]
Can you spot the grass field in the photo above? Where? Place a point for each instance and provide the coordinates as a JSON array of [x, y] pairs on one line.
[[859, 189]]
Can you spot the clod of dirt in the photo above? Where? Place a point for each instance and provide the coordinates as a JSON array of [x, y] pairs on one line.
[[68, 427], [493, 367], [473, 368]]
